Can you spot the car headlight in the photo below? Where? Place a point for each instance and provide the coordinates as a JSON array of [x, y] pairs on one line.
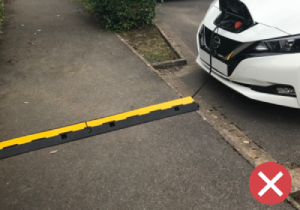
[[288, 44]]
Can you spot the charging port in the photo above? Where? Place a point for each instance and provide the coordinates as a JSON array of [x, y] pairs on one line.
[[235, 16]]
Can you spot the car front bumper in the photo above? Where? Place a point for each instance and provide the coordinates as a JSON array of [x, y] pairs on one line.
[[261, 72]]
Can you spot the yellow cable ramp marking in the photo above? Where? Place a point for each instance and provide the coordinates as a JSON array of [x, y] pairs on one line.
[[46, 134], [93, 123], [141, 111]]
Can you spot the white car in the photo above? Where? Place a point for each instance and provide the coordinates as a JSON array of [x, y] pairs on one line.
[[255, 48]]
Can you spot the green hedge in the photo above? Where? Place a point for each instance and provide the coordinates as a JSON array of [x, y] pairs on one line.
[[1, 11], [121, 15]]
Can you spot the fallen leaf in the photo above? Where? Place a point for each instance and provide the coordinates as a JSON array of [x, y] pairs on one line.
[[54, 151]]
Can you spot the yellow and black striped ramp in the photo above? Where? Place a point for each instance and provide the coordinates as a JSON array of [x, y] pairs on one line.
[[95, 127]]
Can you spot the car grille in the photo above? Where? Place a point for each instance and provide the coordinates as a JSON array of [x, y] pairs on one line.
[[226, 46]]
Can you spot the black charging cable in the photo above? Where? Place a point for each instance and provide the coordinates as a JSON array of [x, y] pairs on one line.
[[210, 61]]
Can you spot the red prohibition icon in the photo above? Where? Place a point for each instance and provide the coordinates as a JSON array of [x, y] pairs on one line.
[[270, 183]]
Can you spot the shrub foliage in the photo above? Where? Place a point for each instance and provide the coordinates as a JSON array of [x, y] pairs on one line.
[[121, 15]]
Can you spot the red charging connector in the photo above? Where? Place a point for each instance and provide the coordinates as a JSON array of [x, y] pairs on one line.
[[238, 24]]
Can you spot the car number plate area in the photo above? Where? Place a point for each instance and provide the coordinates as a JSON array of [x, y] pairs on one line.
[[216, 64]]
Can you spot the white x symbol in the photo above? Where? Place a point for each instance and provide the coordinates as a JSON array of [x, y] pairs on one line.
[[270, 184]]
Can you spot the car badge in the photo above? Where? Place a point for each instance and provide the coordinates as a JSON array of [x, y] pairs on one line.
[[216, 42]]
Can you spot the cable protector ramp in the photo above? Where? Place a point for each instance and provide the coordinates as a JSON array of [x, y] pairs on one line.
[[95, 127]]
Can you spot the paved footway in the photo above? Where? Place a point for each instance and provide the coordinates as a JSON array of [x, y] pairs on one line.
[[58, 67]]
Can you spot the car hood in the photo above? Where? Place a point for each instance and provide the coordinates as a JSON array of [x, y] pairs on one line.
[[281, 14]]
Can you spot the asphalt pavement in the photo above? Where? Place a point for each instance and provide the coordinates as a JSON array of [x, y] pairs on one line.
[[58, 67], [274, 128]]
